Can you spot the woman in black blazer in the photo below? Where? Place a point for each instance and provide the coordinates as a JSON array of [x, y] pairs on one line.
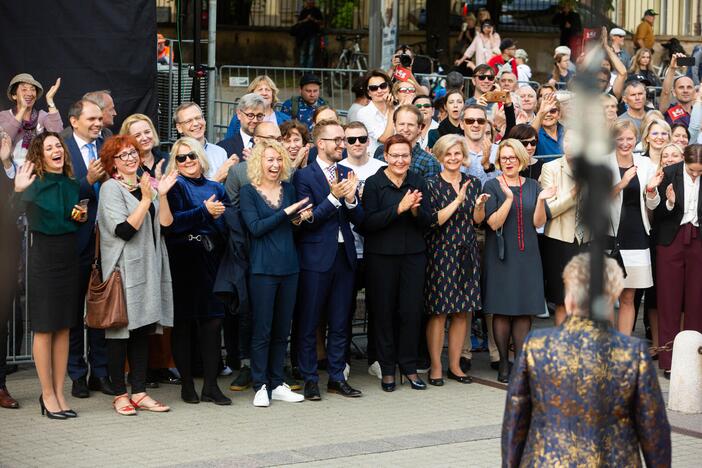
[[396, 216], [679, 248]]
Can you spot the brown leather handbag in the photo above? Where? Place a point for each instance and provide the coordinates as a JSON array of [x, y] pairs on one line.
[[105, 302]]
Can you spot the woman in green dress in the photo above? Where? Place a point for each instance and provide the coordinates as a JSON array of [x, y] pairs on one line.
[[46, 190]]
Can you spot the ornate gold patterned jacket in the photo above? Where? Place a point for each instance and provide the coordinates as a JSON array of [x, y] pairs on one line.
[[584, 395]]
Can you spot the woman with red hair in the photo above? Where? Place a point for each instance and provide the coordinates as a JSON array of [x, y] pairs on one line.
[[130, 215]]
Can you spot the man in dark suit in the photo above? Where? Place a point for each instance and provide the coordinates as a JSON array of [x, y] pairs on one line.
[[86, 119], [327, 259], [103, 99], [250, 113]]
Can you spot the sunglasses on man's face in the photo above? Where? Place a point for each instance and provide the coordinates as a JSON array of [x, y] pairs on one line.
[[424, 106], [182, 157], [531, 142], [472, 121], [374, 88], [361, 139]]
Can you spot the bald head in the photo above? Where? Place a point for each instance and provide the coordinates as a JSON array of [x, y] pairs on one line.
[[267, 130]]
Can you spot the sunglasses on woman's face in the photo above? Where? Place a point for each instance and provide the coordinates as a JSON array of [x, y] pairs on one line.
[[406, 90], [182, 157], [484, 77], [531, 142], [374, 88], [361, 139]]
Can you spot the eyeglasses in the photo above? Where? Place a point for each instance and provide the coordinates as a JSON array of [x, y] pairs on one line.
[[133, 154], [399, 156], [361, 139], [532, 142], [469, 121], [484, 77], [508, 159], [406, 90], [424, 106], [338, 141], [375, 88], [270, 137], [189, 122], [182, 157], [251, 116]]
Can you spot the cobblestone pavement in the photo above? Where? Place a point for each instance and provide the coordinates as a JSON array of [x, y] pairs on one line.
[[454, 425]]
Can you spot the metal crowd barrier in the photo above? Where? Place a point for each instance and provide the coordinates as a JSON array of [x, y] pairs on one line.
[[19, 339]]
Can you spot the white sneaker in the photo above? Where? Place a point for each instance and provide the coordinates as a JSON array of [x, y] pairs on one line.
[[283, 393], [374, 369], [261, 398], [226, 371], [347, 371]]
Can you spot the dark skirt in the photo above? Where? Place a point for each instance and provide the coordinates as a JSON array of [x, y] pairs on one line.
[[53, 282], [194, 270], [556, 255]]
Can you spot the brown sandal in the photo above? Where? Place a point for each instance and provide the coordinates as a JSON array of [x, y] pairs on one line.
[[125, 410], [156, 407]]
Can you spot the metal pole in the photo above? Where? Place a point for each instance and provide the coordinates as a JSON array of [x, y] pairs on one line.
[[375, 34], [197, 55], [211, 63]]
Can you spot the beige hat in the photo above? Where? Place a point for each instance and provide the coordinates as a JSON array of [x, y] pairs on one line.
[[25, 78]]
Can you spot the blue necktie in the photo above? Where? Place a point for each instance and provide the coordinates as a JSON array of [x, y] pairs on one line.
[[92, 156]]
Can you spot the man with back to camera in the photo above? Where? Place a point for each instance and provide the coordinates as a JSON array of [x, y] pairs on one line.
[[302, 107], [84, 144], [190, 121], [249, 111], [408, 122], [327, 255]]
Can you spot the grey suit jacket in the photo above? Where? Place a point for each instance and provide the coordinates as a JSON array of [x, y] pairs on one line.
[[236, 178]]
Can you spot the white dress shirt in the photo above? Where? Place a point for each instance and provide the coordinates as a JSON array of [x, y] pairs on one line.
[[246, 138], [84, 151], [692, 190], [216, 156], [332, 199]]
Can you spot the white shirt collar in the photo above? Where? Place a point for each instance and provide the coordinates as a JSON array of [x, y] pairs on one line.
[[246, 138], [81, 142]]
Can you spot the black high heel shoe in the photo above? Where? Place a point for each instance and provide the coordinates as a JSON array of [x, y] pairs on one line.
[[416, 384], [436, 382], [49, 414], [69, 413], [464, 379], [387, 386], [503, 373]]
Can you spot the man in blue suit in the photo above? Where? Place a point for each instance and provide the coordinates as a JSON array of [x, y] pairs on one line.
[[327, 259], [84, 144]]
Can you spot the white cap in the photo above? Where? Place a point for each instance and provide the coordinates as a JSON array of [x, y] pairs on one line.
[[562, 50], [617, 32]]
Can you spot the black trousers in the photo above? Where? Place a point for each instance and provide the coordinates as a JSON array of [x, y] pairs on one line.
[[135, 350], [395, 290], [208, 331]]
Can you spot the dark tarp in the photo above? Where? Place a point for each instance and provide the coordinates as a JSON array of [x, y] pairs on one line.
[[90, 44]]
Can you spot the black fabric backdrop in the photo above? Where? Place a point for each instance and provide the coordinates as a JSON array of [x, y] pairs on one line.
[[89, 44]]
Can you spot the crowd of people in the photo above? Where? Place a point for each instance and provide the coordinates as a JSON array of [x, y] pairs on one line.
[[441, 210]]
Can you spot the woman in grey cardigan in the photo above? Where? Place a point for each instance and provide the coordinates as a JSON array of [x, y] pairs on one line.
[[130, 239]]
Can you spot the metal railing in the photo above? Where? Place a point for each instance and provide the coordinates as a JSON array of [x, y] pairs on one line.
[[19, 338]]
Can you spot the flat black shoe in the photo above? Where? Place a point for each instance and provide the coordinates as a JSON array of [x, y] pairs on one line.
[[416, 384], [69, 413], [242, 381], [666, 374], [343, 388], [503, 373], [167, 377], [465, 364], [101, 384], [49, 414], [311, 391], [215, 395], [189, 395], [494, 365], [387, 386], [464, 379], [80, 388], [436, 382]]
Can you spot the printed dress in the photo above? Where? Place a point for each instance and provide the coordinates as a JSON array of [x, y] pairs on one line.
[[453, 271]]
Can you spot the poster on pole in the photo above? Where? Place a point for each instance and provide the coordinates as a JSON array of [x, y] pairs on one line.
[[388, 9]]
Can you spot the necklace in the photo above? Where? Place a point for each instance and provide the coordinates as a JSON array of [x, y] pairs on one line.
[[520, 216]]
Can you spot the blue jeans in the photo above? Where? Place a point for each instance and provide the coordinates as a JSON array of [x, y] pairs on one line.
[[271, 311], [308, 51]]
